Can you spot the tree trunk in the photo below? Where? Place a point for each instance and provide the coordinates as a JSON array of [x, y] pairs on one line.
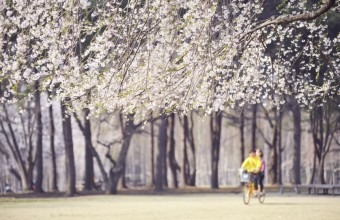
[[312, 179], [88, 144], [14, 148], [320, 112], [152, 154], [215, 131], [124, 185], [242, 136], [322, 171], [68, 140], [192, 180], [52, 148], [89, 173], [297, 143], [316, 121], [162, 142], [117, 171], [30, 160], [172, 158], [39, 147], [279, 148], [273, 158], [253, 127], [186, 165]]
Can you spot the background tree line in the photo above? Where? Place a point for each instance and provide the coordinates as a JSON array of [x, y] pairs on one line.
[[43, 149]]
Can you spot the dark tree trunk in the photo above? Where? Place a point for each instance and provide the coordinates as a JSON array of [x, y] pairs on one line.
[[279, 148], [30, 160], [124, 185], [39, 147], [192, 181], [323, 127], [322, 170], [322, 155], [272, 165], [162, 142], [274, 146], [172, 159], [253, 127], [186, 165], [14, 148], [297, 143], [317, 131], [242, 136], [28, 139], [89, 173], [117, 171], [164, 157], [88, 143], [312, 179], [68, 140], [152, 154], [321, 139], [215, 131], [52, 148]]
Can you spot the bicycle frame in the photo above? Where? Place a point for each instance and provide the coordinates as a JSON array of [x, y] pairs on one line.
[[248, 192]]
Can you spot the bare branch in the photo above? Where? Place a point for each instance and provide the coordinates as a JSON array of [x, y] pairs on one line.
[[2, 150], [80, 125], [264, 138], [108, 145], [267, 116]]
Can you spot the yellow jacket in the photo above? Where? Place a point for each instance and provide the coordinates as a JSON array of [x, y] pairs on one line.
[[252, 164]]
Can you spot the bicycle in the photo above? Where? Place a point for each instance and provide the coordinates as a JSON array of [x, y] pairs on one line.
[[249, 189]]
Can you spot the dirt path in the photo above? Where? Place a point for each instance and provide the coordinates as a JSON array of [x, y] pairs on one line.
[[174, 207]]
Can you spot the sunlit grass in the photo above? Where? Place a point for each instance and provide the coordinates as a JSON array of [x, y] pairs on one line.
[[187, 206]]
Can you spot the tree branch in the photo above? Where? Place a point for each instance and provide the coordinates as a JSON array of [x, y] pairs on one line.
[[264, 138], [285, 19]]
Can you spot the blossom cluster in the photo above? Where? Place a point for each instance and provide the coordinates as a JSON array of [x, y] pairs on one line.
[[144, 56]]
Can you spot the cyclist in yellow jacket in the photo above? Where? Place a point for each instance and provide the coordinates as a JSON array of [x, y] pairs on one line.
[[253, 165]]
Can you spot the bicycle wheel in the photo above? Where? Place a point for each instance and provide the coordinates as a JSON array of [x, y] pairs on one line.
[[246, 194], [262, 197]]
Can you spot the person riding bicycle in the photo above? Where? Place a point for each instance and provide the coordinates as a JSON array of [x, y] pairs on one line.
[[252, 164]]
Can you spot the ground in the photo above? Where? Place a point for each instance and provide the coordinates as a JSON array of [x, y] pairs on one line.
[[175, 207]]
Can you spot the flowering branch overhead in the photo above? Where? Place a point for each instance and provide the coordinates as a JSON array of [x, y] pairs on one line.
[[154, 56]]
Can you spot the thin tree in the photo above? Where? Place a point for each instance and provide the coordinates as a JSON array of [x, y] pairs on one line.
[[174, 167], [39, 144], [273, 144], [325, 120], [68, 141], [215, 132], [296, 111], [13, 145], [152, 153], [52, 147], [161, 156], [242, 147], [253, 127]]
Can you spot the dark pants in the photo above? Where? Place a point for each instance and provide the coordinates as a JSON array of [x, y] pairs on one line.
[[259, 180], [256, 180]]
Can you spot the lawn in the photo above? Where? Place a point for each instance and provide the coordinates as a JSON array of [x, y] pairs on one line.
[[174, 207]]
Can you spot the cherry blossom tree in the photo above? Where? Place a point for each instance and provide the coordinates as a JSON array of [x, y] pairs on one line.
[[177, 55]]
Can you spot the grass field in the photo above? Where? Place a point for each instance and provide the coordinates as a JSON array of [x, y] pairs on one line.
[[174, 207]]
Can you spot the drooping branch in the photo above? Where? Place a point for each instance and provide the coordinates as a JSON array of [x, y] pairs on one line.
[[285, 19]]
